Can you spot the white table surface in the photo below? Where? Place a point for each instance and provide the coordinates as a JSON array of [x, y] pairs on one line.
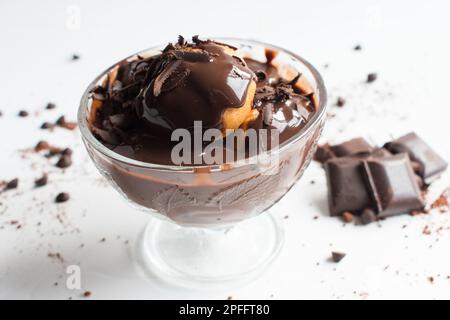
[[405, 42]]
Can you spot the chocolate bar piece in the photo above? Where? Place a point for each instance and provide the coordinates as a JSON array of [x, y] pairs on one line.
[[324, 153], [381, 152], [356, 146], [353, 147], [393, 185], [430, 163], [346, 185]]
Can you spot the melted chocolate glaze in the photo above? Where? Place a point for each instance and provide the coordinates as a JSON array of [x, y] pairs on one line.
[[150, 97]]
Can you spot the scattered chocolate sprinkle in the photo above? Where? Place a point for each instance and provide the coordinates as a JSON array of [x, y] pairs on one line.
[[62, 197], [50, 106], [357, 47], [426, 230], [371, 77], [23, 113], [47, 125], [56, 255], [61, 121], [75, 57], [41, 145], [337, 256], [12, 184], [64, 161], [347, 216], [1, 113], [42, 181], [430, 279], [340, 102]]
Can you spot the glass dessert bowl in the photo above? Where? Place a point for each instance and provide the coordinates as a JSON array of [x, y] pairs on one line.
[[200, 232]]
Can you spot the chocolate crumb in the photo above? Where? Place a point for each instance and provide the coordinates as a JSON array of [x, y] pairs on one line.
[[340, 102], [12, 184], [337, 256], [41, 145], [64, 162], [357, 47], [42, 181], [368, 216], [87, 294], [61, 121], [47, 125], [23, 113], [430, 279], [75, 57], [442, 203], [347, 217], [371, 77], [426, 230], [62, 197], [50, 106], [67, 152]]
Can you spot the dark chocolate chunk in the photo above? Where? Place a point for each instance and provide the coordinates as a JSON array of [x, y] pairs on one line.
[[340, 102], [393, 185], [368, 216], [337, 256], [429, 163], [67, 152], [42, 181], [50, 106], [23, 113], [12, 184], [346, 186], [62, 197], [64, 162], [371, 77], [261, 75], [356, 146]]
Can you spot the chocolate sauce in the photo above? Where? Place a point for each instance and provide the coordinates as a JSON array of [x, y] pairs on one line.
[[139, 106]]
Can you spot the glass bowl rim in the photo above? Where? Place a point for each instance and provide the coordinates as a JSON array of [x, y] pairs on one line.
[[312, 123]]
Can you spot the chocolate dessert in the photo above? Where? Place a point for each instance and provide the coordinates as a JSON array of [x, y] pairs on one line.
[[146, 99], [128, 114]]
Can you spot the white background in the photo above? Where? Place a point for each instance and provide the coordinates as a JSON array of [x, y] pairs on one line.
[[405, 42]]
